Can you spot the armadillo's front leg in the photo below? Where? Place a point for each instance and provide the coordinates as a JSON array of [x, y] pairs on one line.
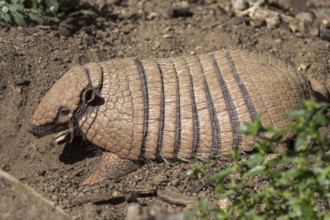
[[110, 166]]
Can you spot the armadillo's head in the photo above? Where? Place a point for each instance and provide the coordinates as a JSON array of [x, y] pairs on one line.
[[57, 111]]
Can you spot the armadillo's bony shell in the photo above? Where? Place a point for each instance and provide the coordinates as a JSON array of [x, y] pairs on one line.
[[189, 106]]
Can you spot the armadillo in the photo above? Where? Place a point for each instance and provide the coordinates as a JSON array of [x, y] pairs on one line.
[[170, 108]]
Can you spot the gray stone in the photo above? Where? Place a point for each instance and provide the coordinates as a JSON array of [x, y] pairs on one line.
[[18, 201], [294, 6], [240, 5], [138, 212], [305, 16]]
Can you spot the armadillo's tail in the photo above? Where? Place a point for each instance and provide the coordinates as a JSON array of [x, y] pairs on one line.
[[321, 93]]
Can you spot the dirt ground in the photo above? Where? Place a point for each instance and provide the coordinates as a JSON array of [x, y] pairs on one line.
[[33, 58]]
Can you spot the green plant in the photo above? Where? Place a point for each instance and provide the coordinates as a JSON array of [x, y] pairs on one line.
[[25, 12], [22, 12], [294, 184]]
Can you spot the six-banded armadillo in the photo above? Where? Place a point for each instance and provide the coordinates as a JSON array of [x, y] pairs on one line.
[[175, 108]]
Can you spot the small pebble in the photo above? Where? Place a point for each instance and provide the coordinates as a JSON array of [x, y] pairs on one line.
[[290, 5], [239, 5], [159, 179], [304, 66], [308, 29], [18, 89], [305, 16], [181, 10], [224, 203], [152, 15], [273, 21]]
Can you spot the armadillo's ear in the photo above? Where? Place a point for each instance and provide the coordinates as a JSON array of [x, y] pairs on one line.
[[89, 95], [92, 97]]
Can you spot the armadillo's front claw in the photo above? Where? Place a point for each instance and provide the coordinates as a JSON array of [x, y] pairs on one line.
[[110, 166]]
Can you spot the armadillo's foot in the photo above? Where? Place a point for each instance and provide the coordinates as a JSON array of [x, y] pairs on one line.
[[110, 166], [320, 91]]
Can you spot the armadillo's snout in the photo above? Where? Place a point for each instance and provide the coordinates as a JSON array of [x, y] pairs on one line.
[[36, 131], [40, 131]]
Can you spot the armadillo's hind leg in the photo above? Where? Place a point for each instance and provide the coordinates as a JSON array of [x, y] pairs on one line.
[[110, 166], [320, 91]]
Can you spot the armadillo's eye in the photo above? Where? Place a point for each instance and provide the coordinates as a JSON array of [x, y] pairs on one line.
[[64, 111]]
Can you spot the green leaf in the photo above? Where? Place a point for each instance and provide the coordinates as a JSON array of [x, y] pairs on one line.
[[255, 160], [327, 216], [292, 185], [52, 5], [14, 7], [254, 171], [87, 12], [36, 17], [19, 19], [297, 114], [18, 2], [5, 17], [301, 141], [222, 174], [252, 128]]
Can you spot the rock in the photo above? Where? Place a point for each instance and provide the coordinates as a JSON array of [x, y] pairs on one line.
[[323, 15], [256, 3], [260, 15], [138, 212], [18, 89], [325, 32], [308, 29], [272, 18], [126, 29], [293, 23], [160, 179], [304, 66], [173, 196], [67, 27], [135, 212], [180, 10], [152, 15], [239, 5], [305, 16], [224, 203], [304, 27], [294, 6], [273, 21], [107, 2], [202, 2], [18, 201]]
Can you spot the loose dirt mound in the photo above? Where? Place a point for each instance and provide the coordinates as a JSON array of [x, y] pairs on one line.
[[33, 58]]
